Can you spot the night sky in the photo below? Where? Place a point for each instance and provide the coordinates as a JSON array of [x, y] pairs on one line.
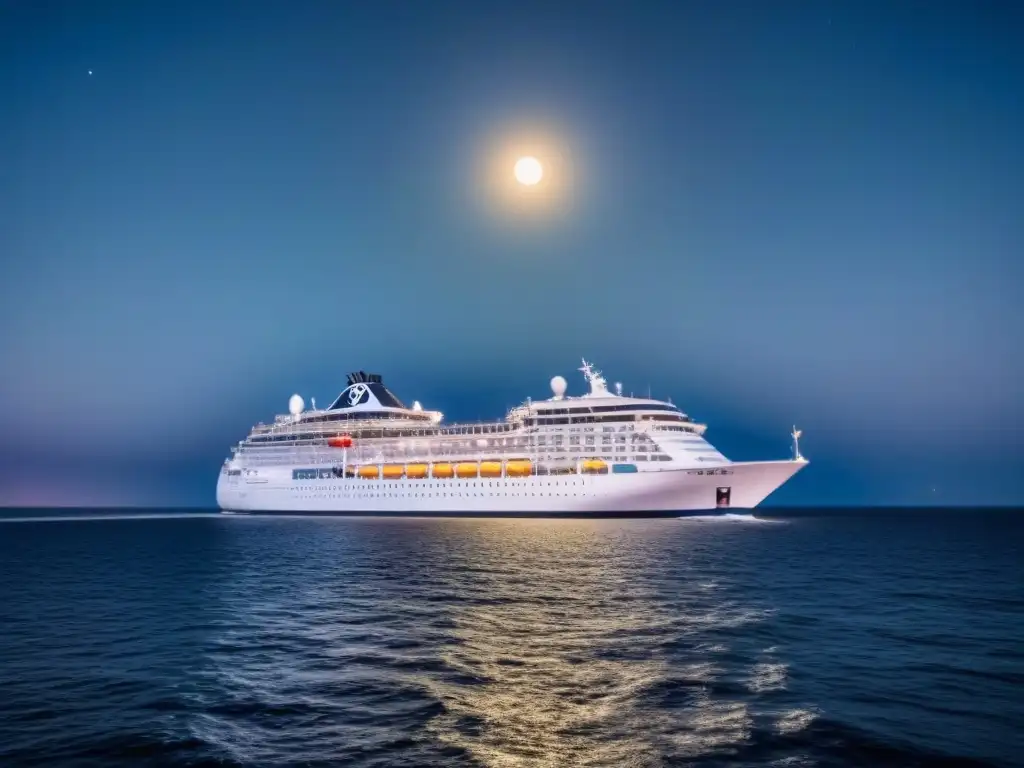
[[770, 212]]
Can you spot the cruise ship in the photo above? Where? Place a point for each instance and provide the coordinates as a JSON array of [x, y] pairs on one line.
[[599, 453]]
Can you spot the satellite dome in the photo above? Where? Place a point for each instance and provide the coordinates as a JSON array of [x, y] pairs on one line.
[[558, 385], [295, 405]]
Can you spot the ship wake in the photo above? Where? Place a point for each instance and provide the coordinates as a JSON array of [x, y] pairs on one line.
[[730, 517]]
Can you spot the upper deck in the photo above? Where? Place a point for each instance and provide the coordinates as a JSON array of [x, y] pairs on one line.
[[367, 409]]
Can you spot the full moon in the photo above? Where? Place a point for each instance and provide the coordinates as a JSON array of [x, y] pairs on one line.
[[528, 171]]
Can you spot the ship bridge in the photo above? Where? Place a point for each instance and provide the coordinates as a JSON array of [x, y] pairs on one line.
[[598, 405]]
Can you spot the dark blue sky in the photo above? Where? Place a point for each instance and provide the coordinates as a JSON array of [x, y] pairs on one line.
[[772, 212]]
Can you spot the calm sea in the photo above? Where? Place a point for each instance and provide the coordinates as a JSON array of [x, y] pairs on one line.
[[870, 638]]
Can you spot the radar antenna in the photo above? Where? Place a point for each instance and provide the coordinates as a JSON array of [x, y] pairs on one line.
[[312, 402], [598, 385]]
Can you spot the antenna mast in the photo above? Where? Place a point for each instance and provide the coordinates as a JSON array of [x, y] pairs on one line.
[[796, 443], [598, 385]]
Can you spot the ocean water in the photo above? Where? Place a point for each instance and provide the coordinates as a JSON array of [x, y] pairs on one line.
[[870, 638]]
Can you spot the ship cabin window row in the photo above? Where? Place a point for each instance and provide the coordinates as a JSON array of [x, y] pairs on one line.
[[608, 409], [294, 438], [363, 415], [377, 433], [603, 419]]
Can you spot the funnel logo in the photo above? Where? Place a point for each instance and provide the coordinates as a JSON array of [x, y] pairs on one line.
[[357, 394]]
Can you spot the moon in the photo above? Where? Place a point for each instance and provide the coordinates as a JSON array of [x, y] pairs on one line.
[[528, 171]]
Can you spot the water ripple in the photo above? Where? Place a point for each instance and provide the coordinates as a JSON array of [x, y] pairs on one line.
[[249, 641]]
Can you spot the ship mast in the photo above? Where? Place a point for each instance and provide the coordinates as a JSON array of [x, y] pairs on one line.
[[598, 385]]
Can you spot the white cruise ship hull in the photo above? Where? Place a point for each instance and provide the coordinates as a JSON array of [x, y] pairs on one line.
[[736, 485]]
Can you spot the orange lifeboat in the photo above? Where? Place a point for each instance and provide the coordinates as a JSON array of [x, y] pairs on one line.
[[416, 471], [518, 468], [467, 469], [443, 471], [393, 471], [369, 471], [344, 441], [490, 469], [594, 466]]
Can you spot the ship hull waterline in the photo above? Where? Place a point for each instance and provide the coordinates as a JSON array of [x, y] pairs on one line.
[[737, 486]]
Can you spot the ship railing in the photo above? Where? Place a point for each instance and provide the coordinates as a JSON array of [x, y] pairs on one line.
[[496, 453], [531, 439], [481, 428], [342, 423], [474, 427], [388, 428]]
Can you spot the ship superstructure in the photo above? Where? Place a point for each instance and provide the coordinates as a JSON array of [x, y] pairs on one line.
[[600, 452]]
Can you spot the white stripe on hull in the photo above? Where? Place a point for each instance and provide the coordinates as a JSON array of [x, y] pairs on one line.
[[274, 490]]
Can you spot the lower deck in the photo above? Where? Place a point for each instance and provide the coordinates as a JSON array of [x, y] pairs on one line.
[[739, 485]]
